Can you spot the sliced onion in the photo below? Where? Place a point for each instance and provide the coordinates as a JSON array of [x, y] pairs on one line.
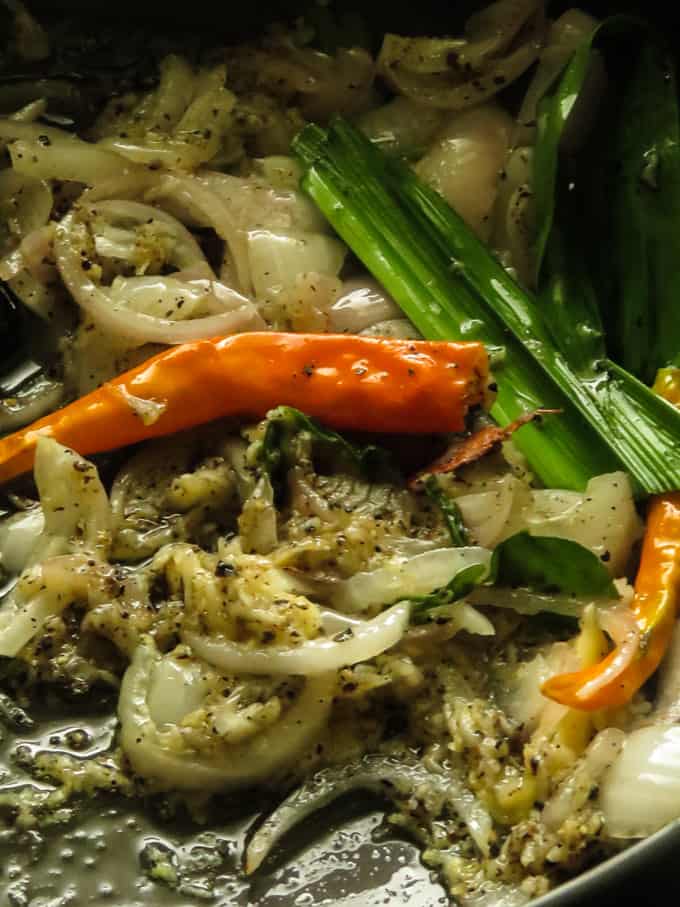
[[524, 601], [19, 535], [200, 197], [61, 580], [27, 406], [74, 501], [641, 792], [69, 160], [278, 258], [397, 579], [312, 658], [176, 688], [486, 513], [394, 329], [667, 705], [384, 775], [465, 160], [137, 327], [603, 518], [575, 790], [257, 760], [361, 304], [186, 251]]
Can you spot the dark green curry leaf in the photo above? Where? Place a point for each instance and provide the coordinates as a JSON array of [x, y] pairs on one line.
[[450, 512], [286, 425], [461, 585], [551, 565]]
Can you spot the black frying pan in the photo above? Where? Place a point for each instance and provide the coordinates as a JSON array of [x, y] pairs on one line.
[[648, 873]]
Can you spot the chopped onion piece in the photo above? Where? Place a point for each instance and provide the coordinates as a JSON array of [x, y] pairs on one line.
[[667, 706], [641, 792], [138, 327], [361, 304], [384, 775], [402, 578], [312, 658], [277, 258], [28, 406], [575, 790], [257, 760]]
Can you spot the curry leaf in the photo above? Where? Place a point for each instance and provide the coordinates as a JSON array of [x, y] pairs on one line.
[[277, 453], [461, 585], [450, 511], [552, 565]]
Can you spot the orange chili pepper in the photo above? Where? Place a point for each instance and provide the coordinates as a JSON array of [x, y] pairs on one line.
[[350, 382], [615, 680]]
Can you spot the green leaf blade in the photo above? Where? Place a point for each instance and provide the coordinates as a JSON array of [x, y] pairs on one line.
[[550, 565]]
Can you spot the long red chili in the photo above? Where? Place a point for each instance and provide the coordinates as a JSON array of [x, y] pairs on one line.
[[357, 383]]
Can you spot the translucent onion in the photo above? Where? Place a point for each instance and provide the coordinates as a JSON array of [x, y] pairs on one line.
[[60, 580], [19, 536], [137, 327], [68, 160], [361, 304], [524, 601], [486, 513], [185, 252], [667, 705], [202, 200], [603, 518], [422, 68], [641, 792], [578, 786], [405, 578], [465, 161], [393, 328], [257, 760], [277, 259], [391, 777], [27, 406], [402, 126], [314, 657]]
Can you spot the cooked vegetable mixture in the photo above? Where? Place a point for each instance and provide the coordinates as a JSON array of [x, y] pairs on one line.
[[338, 453]]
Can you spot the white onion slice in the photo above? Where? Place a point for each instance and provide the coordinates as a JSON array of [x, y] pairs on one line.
[[486, 513], [201, 199], [403, 578], [362, 304], [641, 792], [28, 406], [61, 580], [667, 705], [383, 775], [317, 656], [256, 760], [186, 251], [137, 327], [575, 790], [19, 535]]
